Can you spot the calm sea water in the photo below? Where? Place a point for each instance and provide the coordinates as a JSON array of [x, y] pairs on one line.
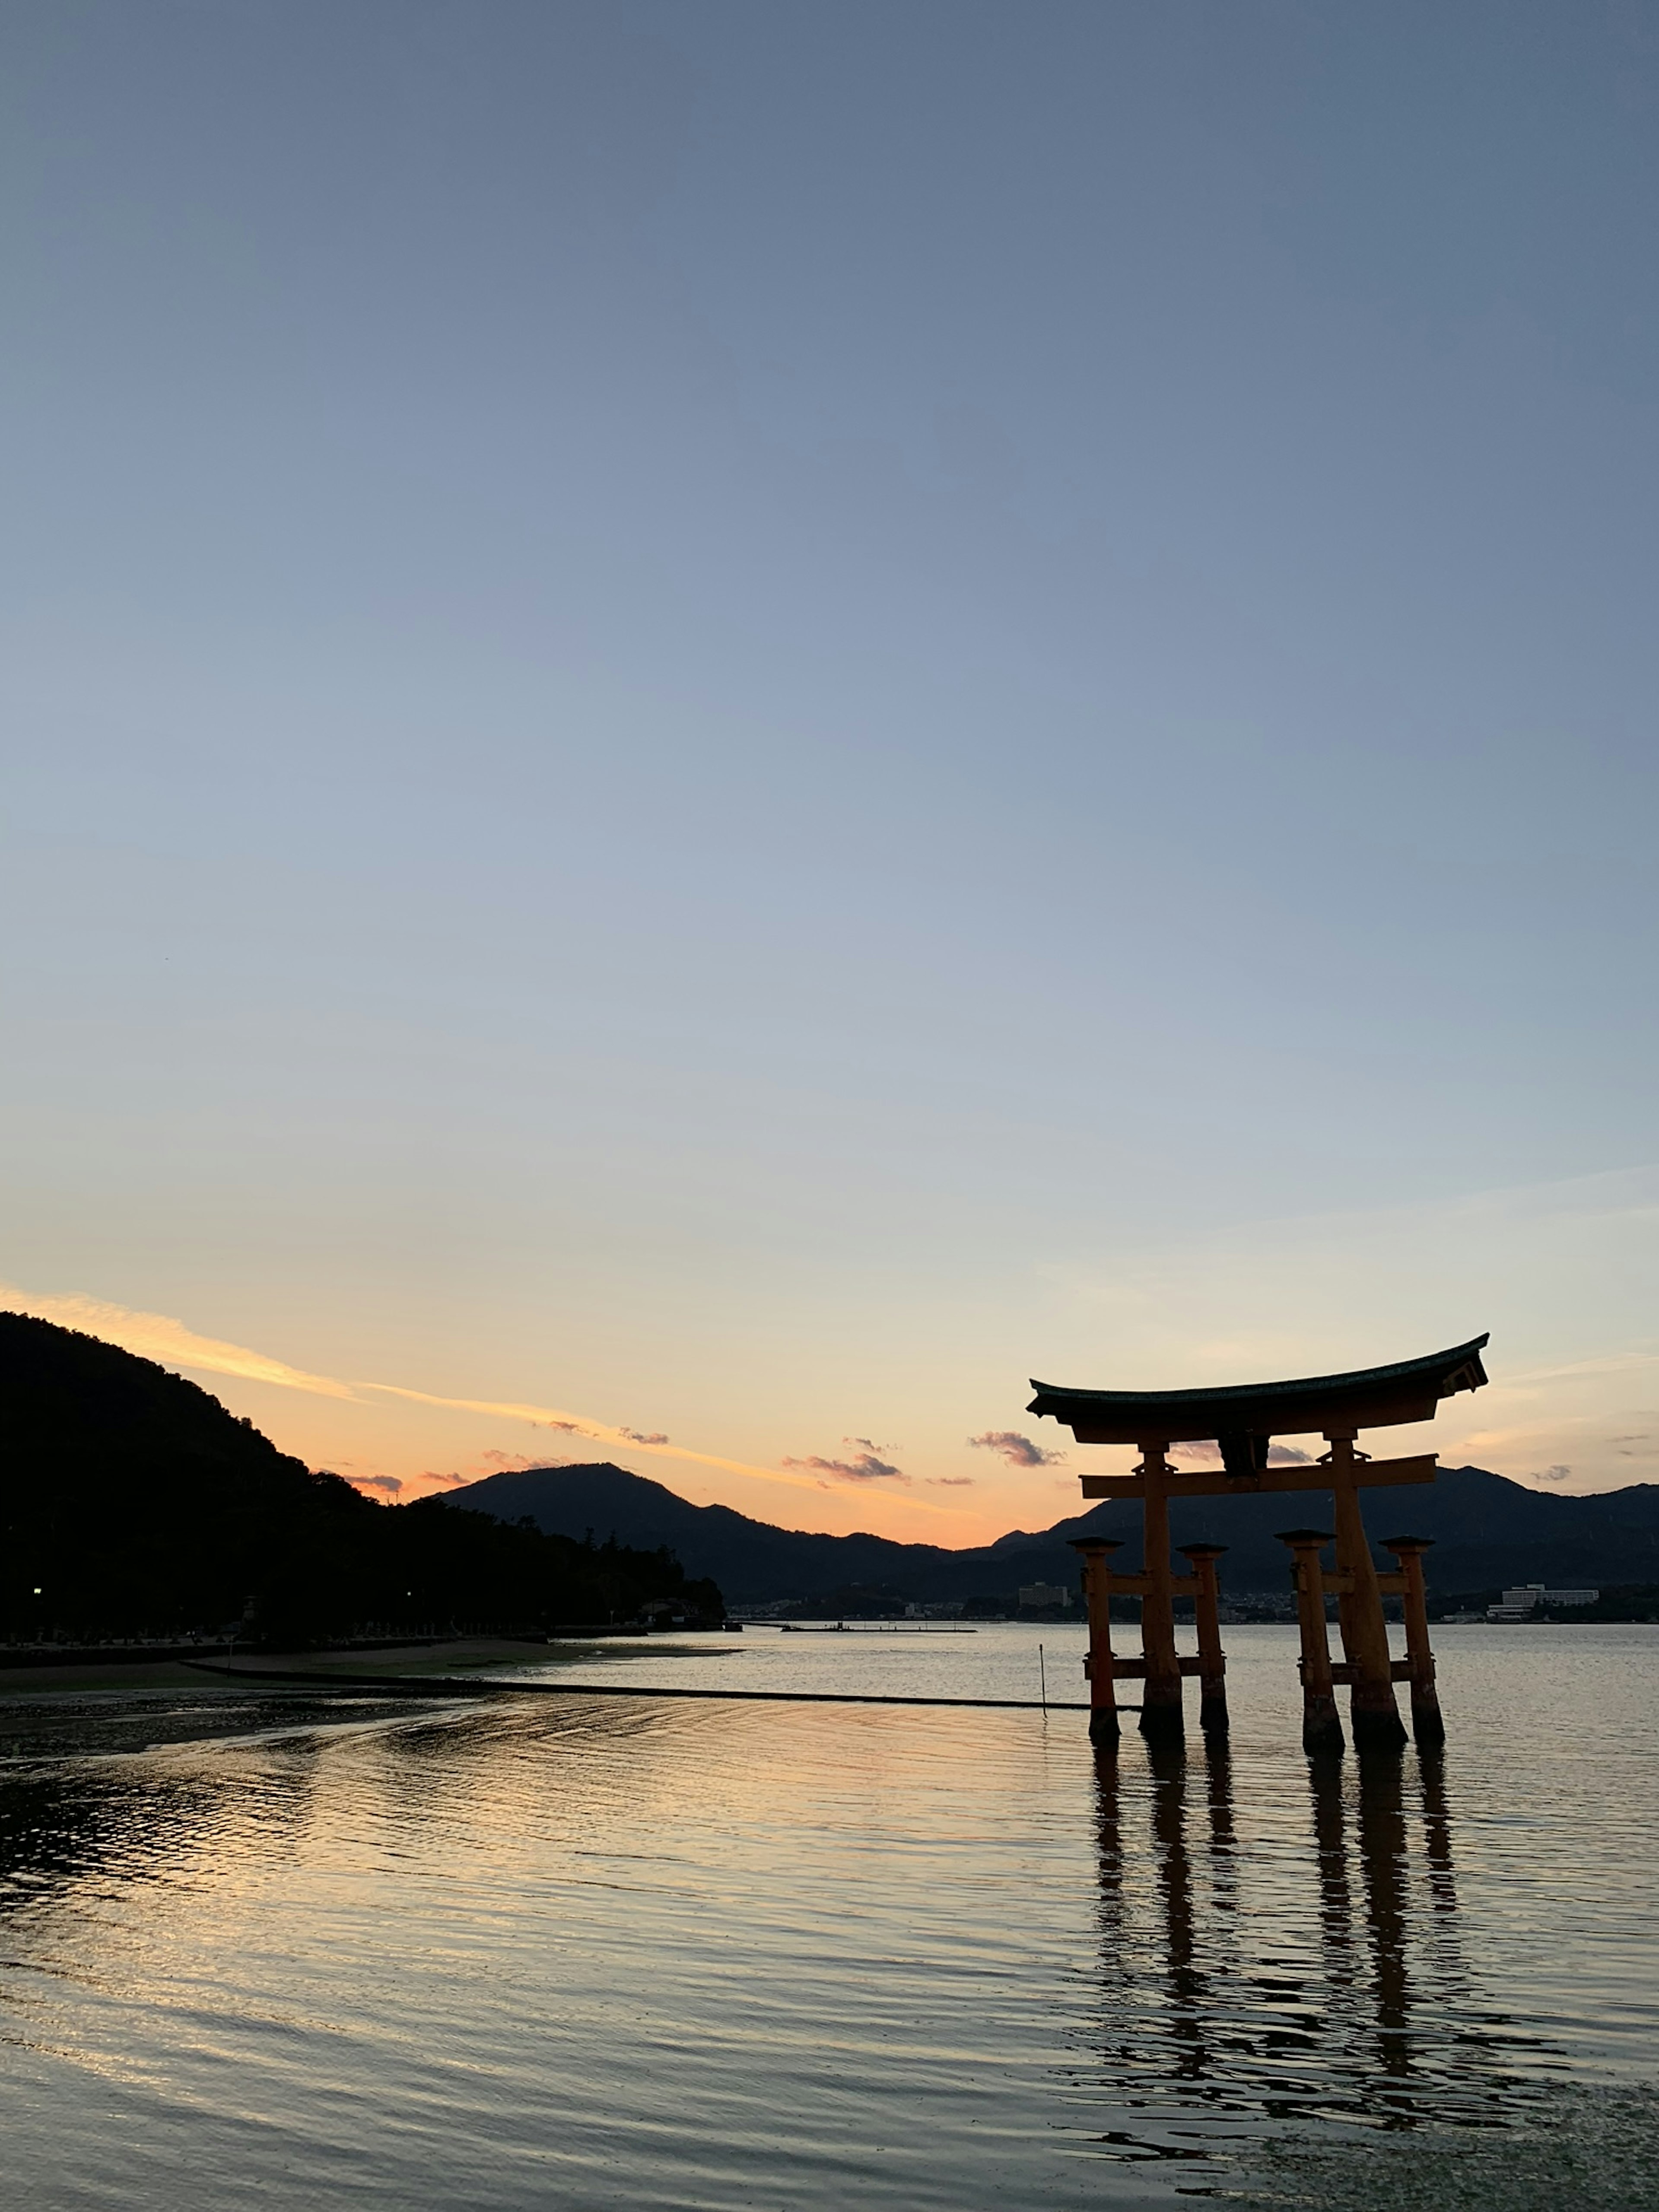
[[313, 1951]]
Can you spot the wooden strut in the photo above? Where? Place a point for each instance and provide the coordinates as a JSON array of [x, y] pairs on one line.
[[1427, 1726], [1161, 1664], [1376, 1723], [1321, 1728], [1373, 1714], [1212, 1662], [1099, 1666], [1160, 1706]]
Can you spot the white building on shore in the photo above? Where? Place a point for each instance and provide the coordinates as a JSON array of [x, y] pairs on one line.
[[1522, 1602]]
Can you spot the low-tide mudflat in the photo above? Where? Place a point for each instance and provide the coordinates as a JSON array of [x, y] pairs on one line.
[[301, 1947]]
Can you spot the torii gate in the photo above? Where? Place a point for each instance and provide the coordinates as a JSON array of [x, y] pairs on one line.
[[1244, 1421]]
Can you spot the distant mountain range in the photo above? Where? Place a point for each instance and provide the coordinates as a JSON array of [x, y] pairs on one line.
[[1487, 1532]]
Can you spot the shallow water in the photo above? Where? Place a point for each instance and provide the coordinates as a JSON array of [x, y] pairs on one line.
[[520, 1952]]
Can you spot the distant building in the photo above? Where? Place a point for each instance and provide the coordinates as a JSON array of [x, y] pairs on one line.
[[1522, 1602], [1033, 1594], [1516, 1604]]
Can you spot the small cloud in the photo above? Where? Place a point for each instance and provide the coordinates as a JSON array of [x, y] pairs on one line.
[[866, 1467], [1554, 1474], [570, 1428], [1207, 1452], [1018, 1450], [636, 1436], [951, 1481], [448, 1481], [391, 1483]]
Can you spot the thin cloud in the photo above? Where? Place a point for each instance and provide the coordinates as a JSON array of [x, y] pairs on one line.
[[1018, 1450], [161, 1337], [576, 1424], [1553, 1474], [158, 1336], [391, 1483], [866, 1467], [951, 1481]]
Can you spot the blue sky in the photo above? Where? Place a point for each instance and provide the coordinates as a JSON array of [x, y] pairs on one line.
[[752, 718]]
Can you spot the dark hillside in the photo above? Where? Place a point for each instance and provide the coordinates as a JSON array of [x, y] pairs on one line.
[[135, 1505], [136, 1501], [758, 1561]]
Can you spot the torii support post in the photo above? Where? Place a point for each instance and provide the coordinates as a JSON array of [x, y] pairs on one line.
[[1099, 1666], [1373, 1711], [1160, 1710], [1427, 1726], [1212, 1662], [1322, 1729]]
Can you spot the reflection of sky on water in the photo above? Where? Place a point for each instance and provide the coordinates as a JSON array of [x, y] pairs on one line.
[[710, 1955]]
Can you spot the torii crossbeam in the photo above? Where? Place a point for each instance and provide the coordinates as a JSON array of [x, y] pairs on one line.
[[1244, 1421]]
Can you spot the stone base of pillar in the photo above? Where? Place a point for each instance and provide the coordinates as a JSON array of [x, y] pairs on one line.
[[1104, 1724], [1376, 1719], [1427, 1726], [1160, 1713], [1213, 1709], [1322, 1726]]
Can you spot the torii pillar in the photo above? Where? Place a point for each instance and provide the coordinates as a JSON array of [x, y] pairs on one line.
[[1160, 1707]]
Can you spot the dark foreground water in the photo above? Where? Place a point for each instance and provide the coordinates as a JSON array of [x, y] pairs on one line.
[[308, 1952]]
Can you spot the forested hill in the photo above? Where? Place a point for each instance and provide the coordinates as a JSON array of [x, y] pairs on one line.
[[1487, 1531], [134, 1502]]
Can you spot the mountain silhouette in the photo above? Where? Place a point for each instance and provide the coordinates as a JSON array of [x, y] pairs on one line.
[[133, 1503], [1487, 1531]]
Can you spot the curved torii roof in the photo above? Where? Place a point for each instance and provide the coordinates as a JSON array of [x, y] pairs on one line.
[[1367, 1398]]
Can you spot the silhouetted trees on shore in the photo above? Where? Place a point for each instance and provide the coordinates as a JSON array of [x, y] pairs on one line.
[[132, 1504]]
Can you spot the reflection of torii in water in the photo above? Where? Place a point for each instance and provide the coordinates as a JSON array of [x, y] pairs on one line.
[[1184, 2002], [1244, 1420]]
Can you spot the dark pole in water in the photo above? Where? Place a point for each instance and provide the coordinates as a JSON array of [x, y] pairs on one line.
[[1427, 1726], [1322, 1730], [1372, 1709], [1160, 1712], [1103, 1697], [1042, 1680], [1211, 1663]]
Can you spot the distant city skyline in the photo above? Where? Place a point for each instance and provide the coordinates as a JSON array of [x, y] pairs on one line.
[[728, 724]]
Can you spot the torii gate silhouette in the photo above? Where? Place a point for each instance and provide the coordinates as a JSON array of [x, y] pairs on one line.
[[1244, 1420]]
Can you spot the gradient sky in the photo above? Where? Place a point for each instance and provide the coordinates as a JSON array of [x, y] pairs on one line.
[[736, 720]]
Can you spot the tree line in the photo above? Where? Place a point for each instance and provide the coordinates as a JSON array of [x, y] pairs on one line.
[[133, 1504]]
